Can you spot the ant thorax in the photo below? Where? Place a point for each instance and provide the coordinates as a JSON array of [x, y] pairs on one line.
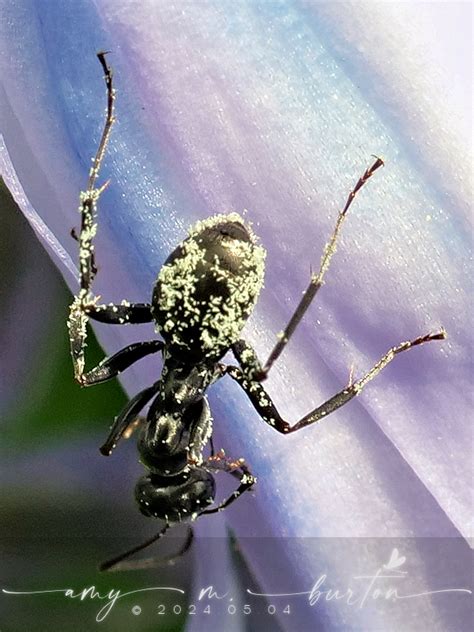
[[179, 420], [208, 287], [181, 385]]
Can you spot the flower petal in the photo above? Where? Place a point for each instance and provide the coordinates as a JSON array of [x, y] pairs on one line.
[[253, 106]]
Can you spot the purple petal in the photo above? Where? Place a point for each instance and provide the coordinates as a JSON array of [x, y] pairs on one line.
[[276, 107]]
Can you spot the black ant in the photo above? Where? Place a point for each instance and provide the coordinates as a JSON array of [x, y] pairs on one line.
[[202, 298]]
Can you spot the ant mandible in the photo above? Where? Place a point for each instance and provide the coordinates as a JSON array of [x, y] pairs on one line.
[[202, 298]]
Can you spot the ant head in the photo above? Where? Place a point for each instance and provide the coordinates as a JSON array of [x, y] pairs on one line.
[[178, 498]]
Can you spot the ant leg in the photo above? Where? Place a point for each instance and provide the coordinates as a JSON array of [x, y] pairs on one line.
[[220, 462], [122, 314], [80, 311], [316, 279], [84, 305], [89, 198], [132, 426], [111, 366], [127, 418], [247, 358], [73, 234], [265, 407], [120, 563], [114, 563], [78, 318]]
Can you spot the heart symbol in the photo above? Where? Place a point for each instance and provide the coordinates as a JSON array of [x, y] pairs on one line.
[[395, 560]]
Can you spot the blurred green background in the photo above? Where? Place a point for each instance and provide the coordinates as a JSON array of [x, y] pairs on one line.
[[64, 508]]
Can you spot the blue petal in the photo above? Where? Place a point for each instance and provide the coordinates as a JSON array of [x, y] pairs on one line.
[[276, 107]]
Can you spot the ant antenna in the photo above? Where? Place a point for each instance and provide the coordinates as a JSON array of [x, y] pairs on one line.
[[317, 279]]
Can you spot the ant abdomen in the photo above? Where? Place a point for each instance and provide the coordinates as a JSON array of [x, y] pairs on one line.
[[207, 288], [177, 498]]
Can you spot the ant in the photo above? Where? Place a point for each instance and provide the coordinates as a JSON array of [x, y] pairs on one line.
[[202, 298]]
